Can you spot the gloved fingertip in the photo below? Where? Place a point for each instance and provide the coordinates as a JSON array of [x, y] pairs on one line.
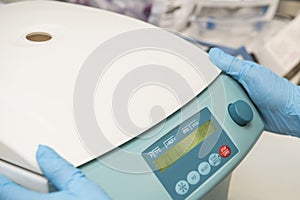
[[55, 168], [44, 155], [220, 58], [45, 152], [215, 51], [42, 148]]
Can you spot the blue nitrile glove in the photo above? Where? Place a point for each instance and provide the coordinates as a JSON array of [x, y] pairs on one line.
[[70, 181], [277, 99]]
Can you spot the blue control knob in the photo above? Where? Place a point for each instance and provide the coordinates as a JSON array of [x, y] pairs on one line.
[[240, 112]]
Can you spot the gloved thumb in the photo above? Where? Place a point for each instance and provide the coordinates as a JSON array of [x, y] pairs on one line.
[[56, 169], [258, 81], [229, 64]]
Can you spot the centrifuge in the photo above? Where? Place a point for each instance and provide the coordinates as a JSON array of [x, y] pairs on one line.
[[141, 111]]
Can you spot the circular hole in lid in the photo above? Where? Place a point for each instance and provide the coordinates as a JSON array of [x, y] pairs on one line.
[[38, 37]]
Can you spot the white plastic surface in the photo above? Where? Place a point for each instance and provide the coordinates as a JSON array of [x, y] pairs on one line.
[[269, 171], [21, 176], [37, 79]]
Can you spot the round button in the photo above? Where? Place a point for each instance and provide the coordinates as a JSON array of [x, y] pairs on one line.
[[240, 112], [204, 168], [214, 159], [193, 177], [182, 187], [224, 151]]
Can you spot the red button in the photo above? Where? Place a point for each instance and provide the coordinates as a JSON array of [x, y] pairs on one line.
[[224, 151]]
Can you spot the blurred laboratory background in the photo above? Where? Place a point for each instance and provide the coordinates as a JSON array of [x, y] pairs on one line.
[[264, 31]]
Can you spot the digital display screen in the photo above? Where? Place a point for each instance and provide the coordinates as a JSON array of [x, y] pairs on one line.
[[184, 146]]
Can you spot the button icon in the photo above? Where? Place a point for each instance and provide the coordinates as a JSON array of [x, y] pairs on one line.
[[193, 177], [214, 159], [224, 151], [182, 187], [204, 168]]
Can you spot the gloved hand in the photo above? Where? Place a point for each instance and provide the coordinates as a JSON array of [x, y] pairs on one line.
[[70, 181], [277, 99]]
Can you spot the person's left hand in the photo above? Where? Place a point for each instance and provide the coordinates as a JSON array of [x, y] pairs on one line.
[[70, 182]]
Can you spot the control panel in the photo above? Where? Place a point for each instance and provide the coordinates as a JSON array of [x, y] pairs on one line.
[[190, 154]]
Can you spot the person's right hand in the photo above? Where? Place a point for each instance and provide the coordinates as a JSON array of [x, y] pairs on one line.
[[277, 99]]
